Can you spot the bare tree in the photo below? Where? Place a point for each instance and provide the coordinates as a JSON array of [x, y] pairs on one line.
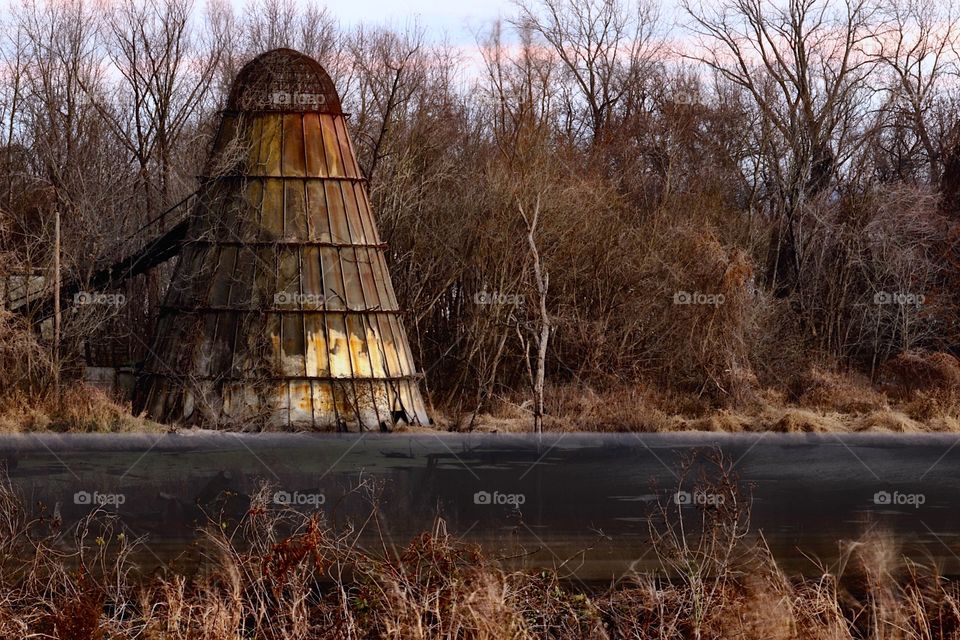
[[805, 66], [542, 326], [606, 47], [918, 53]]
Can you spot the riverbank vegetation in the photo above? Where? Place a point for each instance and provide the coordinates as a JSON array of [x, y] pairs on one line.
[[702, 224], [280, 574]]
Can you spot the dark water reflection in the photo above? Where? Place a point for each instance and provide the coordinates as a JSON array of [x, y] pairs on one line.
[[580, 501]]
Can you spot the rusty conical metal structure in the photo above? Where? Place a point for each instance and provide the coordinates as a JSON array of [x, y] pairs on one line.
[[281, 312]]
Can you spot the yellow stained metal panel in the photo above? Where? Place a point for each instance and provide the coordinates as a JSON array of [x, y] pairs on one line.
[[295, 210], [224, 344], [378, 364], [242, 285], [301, 402], [311, 282], [317, 217], [323, 406], [377, 272], [339, 228], [358, 234], [351, 280], [279, 403], [265, 278], [334, 296], [391, 297], [223, 276], [367, 278], [252, 148], [388, 344], [292, 344], [253, 204], [331, 147], [313, 143], [272, 209], [317, 362], [366, 214], [294, 158], [271, 143], [358, 346], [339, 347], [287, 295], [350, 167], [399, 345]]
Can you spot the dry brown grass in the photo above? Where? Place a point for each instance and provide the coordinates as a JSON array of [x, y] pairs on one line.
[[813, 401], [281, 575], [77, 408]]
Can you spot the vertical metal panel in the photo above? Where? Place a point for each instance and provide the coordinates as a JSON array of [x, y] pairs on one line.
[[351, 279], [317, 217], [386, 283], [358, 347], [294, 160], [313, 144], [337, 341], [317, 363], [358, 234], [271, 142], [375, 348], [389, 342], [367, 279], [333, 294], [224, 345], [295, 210], [293, 345], [272, 209], [331, 147], [241, 287], [223, 277], [289, 280], [339, 229], [252, 164], [253, 201], [366, 213], [350, 167], [374, 263]]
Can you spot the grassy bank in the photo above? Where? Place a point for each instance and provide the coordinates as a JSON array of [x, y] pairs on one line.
[[280, 574]]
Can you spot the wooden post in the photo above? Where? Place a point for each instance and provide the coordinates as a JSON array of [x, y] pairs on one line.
[[56, 301]]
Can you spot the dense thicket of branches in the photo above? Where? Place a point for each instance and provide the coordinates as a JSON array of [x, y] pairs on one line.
[[788, 168]]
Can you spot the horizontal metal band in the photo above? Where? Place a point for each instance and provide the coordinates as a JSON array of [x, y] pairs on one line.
[[355, 379], [293, 112], [285, 242], [206, 180], [278, 310]]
